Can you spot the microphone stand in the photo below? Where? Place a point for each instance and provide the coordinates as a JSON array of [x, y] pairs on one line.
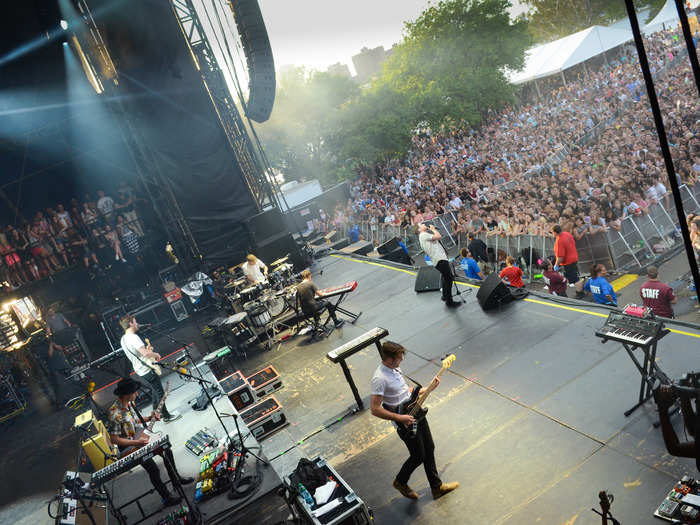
[[186, 346]]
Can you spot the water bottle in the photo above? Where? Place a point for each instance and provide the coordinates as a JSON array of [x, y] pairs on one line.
[[305, 495]]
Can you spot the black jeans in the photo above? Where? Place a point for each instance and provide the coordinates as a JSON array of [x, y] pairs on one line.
[[445, 269], [153, 382], [154, 472], [422, 450]]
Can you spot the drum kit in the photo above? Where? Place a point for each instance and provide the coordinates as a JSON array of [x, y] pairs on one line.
[[266, 301]]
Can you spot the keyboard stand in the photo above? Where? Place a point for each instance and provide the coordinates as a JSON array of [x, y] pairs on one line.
[[647, 369], [353, 316]]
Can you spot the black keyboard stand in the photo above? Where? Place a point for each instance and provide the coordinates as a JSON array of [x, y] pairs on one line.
[[353, 316], [647, 369]]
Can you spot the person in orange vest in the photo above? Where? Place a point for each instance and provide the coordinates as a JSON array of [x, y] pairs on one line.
[[567, 258]]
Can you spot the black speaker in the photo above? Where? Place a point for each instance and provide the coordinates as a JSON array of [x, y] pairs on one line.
[[428, 279], [493, 292], [389, 246], [279, 246], [258, 54], [397, 255]]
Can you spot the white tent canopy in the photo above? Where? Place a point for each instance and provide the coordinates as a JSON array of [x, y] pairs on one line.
[[546, 59], [668, 16]]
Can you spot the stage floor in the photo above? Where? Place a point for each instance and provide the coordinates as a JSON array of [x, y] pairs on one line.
[[529, 419]]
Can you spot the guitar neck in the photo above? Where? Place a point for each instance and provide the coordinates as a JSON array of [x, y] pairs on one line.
[[152, 422], [422, 397]]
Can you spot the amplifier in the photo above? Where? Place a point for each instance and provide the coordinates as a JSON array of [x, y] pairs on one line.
[[265, 381], [238, 390], [264, 418]]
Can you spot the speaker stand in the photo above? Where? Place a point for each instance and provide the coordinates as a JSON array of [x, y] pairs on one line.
[[457, 291]]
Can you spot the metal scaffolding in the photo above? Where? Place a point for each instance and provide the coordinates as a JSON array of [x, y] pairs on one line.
[[145, 159], [261, 184]]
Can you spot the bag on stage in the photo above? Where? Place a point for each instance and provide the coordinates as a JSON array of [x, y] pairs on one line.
[[309, 475]]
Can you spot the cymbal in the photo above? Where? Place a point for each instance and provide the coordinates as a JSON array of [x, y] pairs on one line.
[[279, 261]]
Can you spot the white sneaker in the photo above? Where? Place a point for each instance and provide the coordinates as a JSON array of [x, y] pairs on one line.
[[116, 257]]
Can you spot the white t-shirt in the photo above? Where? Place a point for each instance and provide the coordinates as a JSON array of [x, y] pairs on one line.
[[433, 249], [390, 384], [254, 271], [130, 345]]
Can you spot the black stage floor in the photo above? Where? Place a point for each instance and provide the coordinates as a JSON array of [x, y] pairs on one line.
[[529, 419]]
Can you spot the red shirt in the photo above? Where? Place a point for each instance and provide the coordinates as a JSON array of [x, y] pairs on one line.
[[565, 249], [513, 274], [555, 282], [657, 296]]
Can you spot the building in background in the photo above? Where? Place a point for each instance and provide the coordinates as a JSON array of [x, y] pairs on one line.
[[369, 62]]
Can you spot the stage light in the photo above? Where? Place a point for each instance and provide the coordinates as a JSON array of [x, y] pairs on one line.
[[63, 24], [65, 44]]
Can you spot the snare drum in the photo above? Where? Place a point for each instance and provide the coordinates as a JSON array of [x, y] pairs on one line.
[[258, 314], [275, 303]]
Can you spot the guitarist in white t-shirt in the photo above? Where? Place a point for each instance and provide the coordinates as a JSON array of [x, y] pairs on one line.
[[143, 359], [389, 391]]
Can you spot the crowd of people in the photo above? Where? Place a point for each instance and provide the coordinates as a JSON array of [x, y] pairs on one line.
[[501, 179], [95, 232]]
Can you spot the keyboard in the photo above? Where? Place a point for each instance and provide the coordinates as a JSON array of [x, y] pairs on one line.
[[155, 446], [343, 352], [630, 329], [337, 290], [105, 359]]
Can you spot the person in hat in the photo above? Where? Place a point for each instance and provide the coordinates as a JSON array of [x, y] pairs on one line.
[[125, 428]]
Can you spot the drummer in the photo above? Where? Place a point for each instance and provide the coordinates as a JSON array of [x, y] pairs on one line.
[[254, 269]]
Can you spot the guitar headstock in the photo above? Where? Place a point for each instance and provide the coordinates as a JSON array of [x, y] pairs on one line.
[[448, 361], [167, 386], [148, 344]]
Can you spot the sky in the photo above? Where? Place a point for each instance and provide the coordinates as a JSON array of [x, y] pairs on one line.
[[318, 33]]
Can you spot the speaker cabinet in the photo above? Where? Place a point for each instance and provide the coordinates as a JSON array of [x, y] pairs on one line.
[[389, 246], [258, 54], [493, 293], [428, 279]]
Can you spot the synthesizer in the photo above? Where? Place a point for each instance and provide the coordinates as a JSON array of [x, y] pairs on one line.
[[355, 345], [630, 329], [337, 290], [129, 461]]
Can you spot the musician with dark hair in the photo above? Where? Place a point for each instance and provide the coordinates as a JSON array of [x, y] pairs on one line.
[[140, 356], [306, 292], [125, 431], [389, 391]]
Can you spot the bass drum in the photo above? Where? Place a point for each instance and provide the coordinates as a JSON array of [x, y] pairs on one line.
[[275, 303]]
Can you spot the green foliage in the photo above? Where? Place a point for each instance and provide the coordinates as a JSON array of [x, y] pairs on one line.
[[449, 68], [552, 19]]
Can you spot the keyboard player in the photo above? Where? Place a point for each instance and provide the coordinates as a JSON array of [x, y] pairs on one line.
[[306, 292], [125, 431]]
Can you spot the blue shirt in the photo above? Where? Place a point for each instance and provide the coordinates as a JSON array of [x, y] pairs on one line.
[[599, 288], [471, 268]]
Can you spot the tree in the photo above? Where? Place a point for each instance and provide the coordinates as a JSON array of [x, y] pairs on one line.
[[450, 66], [552, 19], [304, 115]]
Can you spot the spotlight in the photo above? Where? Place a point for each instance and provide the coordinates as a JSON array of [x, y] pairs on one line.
[[65, 44], [63, 24]]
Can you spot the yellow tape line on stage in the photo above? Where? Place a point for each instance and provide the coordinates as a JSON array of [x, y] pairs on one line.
[[627, 279], [546, 303]]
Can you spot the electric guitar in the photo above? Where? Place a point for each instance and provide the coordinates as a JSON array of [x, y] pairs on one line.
[[148, 431], [414, 405], [151, 362]]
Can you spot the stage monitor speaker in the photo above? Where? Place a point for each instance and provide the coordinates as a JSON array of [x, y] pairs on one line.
[[258, 54], [389, 246], [397, 255], [493, 293], [428, 279]]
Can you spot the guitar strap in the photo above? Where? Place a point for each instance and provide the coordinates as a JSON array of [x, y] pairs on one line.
[[138, 414], [137, 355], [411, 380]]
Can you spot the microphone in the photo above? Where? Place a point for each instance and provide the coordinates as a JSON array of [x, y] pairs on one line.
[[145, 325]]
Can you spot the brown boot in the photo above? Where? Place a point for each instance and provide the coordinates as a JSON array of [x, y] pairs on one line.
[[405, 490], [444, 489]]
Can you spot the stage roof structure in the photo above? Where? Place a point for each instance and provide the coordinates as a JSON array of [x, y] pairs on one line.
[[668, 16], [547, 59]]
